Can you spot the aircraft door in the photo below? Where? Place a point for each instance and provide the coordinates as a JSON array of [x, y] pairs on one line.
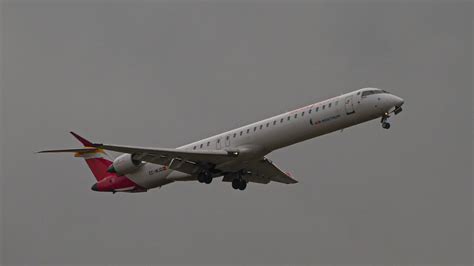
[[349, 105], [227, 141]]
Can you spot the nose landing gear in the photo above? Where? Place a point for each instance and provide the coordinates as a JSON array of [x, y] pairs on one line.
[[397, 110], [384, 120], [385, 124]]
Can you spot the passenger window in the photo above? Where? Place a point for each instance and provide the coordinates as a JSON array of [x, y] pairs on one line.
[[241, 133], [329, 106], [200, 146], [324, 106], [309, 111], [227, 137], [281, 121], [261, 126], [296, 115], [218, 140], [288, 118], [358, 93], [302, 114], [255, 129], [274, 122], [248, 130], [194, 147], [268, 124], [317, 108], [208, 143], [235, 134]]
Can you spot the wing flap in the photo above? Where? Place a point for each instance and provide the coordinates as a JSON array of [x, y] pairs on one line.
[[181, 165], [267, 169]]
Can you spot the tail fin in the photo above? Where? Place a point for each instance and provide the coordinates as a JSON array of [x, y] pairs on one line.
[[84, 141], [97, 160]]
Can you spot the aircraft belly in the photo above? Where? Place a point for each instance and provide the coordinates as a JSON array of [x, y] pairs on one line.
[[151, 176], [179, 176]]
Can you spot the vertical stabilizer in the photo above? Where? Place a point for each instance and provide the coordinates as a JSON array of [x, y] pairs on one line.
[[97, 159]]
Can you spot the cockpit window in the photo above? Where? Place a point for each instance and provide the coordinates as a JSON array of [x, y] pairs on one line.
[[369, 92], [365, 93]]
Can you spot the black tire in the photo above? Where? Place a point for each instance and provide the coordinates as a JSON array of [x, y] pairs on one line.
[[386, 125], [235, 184], [201, 178], [204, 178], [243, 184]]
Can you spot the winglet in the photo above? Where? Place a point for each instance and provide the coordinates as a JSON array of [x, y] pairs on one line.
[[84, 141]]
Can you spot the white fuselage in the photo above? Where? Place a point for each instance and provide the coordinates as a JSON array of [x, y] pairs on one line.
[[260, 138]]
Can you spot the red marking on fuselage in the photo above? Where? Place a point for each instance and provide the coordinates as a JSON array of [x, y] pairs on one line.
[[117, 183], [99, 167], [110, 181]]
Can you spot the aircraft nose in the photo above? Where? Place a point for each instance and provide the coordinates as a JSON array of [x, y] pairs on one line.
[[95, 187], [399, 101], [396, 101]]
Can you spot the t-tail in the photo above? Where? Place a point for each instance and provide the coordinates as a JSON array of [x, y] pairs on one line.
[[99, 163]]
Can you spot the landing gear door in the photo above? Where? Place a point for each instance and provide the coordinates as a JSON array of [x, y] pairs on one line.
[[349, 105]]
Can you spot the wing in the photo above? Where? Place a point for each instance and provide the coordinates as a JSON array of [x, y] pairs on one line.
[[263, 171], [70, 150], [190, 162]]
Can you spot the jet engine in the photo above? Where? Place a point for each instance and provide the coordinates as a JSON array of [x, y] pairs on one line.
[[124, 164]]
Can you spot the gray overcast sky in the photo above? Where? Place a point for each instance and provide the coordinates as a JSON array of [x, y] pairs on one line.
[[164, 74]]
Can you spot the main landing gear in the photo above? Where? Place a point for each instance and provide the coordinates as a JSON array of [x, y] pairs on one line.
[[239, 183], [205, 177]]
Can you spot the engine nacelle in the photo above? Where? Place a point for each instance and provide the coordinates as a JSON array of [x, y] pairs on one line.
[[124, 164]]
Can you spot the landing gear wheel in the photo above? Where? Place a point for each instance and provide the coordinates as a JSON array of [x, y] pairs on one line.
[[236, 183], [384, 120], [204, 178], [386, 125], [243, 184], [208, 179], [200, 178]]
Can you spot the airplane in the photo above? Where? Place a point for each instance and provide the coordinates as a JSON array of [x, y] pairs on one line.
[[238, 155]]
